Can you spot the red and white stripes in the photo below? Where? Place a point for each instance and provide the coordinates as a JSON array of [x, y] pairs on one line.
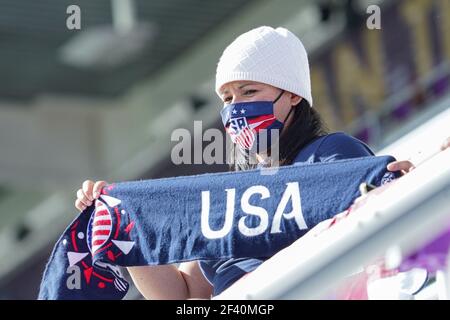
[[101, 226]]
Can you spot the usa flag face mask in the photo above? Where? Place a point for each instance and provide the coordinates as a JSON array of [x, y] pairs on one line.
[[251, 124]]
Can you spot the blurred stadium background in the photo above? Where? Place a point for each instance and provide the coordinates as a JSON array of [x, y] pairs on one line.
[[102, 102]]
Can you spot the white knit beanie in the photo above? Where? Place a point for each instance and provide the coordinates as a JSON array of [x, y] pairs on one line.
[[271, 56]]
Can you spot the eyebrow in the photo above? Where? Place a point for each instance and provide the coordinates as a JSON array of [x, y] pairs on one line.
[[240, 87]]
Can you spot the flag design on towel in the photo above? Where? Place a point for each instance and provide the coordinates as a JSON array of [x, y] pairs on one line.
[[100, 227]]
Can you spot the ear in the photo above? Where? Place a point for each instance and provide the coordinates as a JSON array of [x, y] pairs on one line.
[[295, 99]]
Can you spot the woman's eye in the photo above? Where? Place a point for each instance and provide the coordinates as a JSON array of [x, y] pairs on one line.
[[247, 92], [227, 99]]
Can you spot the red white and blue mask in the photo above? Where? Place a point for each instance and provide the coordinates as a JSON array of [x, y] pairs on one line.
[[248, 123]]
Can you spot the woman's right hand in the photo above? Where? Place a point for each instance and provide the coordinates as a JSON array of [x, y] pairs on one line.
[[88, 192]]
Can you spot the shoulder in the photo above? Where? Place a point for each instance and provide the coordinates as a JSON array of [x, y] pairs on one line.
[[333, 146], [342, 141]]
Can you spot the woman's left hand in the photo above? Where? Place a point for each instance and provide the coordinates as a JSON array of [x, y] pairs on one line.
[[404, 166]]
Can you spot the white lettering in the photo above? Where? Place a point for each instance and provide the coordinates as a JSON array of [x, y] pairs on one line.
[[254, 210], [292, 193], [205, 227]]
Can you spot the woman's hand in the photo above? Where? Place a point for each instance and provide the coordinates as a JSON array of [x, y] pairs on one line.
[[88, 192], [404, 166]]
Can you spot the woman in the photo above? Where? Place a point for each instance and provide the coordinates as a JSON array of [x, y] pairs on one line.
[[263, 80]]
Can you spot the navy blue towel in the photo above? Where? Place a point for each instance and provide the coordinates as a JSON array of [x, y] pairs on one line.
[[210, 216]]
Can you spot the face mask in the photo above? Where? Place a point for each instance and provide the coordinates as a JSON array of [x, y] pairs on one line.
[[244, 121]]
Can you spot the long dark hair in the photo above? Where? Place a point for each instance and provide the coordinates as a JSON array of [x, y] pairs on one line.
[[306, 126]]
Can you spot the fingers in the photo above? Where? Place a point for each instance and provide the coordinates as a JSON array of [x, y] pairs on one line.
[[403, 165], [88, 193], [98, 187], [87, 187], [83, 198], [392, 166], [80, 205]]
